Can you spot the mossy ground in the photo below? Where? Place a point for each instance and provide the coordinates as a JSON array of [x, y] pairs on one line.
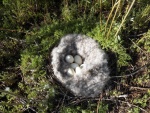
[[30, 29]]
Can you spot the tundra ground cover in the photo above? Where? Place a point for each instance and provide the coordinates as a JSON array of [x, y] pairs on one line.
[[30, 29]]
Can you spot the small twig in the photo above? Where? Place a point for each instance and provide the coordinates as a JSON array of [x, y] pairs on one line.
[[10, 30], [133, 87], [133, 73], [140, 88], [64, 98], [17, 96], [18, 40], [129, 104], [97, 111], [10, 104], [137, 46], [11, 68], [120, 96], [32, 109]]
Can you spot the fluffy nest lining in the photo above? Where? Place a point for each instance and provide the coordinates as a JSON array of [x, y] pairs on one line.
[[95, 73]]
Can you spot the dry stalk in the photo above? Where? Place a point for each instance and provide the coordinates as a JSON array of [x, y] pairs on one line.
[[117, 9], [100, 14], [122, 22], [110, 15]]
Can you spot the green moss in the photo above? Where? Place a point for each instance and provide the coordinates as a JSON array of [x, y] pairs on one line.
[[113, 44]]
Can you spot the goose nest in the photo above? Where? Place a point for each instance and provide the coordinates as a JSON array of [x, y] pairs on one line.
[[92, 74]]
